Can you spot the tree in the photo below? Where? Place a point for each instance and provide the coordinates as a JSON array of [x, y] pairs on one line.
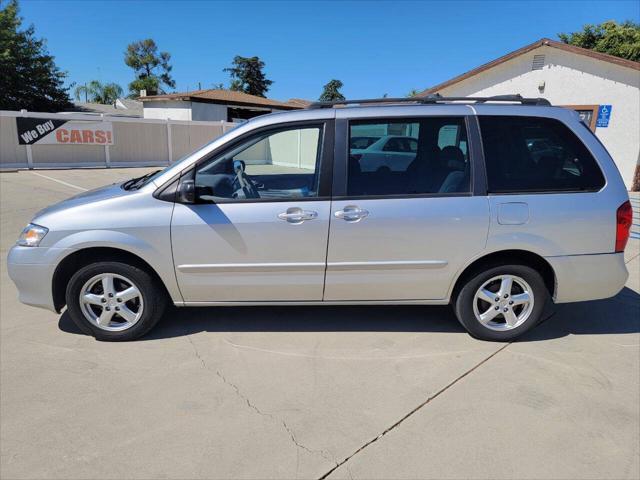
[[97, 92], [619, 39], [331, 91], [30, 78], [413, 92], [151, 68], [247, 76]]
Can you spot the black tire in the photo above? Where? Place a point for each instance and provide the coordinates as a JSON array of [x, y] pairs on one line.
[[153, 295], [464, 301]]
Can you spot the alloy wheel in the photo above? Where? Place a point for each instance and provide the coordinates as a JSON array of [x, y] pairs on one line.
[[503, 302], [111, 302]]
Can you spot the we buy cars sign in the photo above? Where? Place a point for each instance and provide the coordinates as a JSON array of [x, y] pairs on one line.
[[43, 131]]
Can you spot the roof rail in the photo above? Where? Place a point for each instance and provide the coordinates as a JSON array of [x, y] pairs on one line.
[[435, 99]]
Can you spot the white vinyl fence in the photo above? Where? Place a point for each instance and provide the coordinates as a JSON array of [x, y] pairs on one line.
[[133, 142]]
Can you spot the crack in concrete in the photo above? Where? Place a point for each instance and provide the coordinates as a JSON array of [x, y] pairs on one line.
[[322, 453], [416, 409], [242, 397], [253, 407], [349, 358], [195, 351]]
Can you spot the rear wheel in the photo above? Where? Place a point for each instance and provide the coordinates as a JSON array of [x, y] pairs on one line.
[[502, 303], [114, 301]]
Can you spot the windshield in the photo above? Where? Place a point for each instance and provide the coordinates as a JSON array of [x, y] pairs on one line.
[[139, 182]]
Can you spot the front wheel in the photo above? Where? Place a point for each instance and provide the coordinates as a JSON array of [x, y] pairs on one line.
[[502, 303], [114, 301]]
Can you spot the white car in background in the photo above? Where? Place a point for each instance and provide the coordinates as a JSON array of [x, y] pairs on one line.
[[395, 152]]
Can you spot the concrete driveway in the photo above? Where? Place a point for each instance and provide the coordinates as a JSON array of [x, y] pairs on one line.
[[353, 392]]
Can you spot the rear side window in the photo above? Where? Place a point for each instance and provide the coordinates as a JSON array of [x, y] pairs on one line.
[[533, 154], [362, 142], [409, 157]]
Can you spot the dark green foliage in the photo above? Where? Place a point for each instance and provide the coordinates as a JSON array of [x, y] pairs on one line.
[[151, 68], [247, 76], [619, 39], [29, 77], [331, 91]]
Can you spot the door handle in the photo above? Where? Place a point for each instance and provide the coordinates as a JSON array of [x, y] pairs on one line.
[[351, 213], [296, 215]]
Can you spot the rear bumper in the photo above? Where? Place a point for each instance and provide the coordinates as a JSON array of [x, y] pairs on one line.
[[31, 269], [588, 277]]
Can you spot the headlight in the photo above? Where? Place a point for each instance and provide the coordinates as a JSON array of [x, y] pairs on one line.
[[32, 235]]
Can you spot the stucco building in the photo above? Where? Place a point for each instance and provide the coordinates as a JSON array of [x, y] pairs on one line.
[[603, 88], [211, 105]]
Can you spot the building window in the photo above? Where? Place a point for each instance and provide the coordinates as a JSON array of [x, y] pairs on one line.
[[588, 114]]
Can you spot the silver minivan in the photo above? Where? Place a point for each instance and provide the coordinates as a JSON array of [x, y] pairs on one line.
[[495, 205]]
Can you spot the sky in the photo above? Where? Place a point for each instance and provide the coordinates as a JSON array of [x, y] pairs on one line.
[[373, 47]]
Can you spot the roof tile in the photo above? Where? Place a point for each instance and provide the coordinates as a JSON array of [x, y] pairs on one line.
[[222, 96]]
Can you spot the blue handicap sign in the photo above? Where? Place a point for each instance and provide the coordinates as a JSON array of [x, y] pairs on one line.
[[604, 114]]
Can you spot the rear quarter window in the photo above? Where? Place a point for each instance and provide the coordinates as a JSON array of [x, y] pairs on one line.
[[535, 154]]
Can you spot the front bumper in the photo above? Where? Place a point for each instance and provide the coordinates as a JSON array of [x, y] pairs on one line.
[[32, 269], [588, 277]]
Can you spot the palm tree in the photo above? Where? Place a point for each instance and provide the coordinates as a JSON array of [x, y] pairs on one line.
[[97, 92]]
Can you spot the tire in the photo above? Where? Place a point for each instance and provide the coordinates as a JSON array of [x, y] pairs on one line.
[[130, 315], [520, 316]]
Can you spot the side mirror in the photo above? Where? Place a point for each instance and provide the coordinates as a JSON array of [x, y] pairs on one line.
[[239, 166], [187, 192]]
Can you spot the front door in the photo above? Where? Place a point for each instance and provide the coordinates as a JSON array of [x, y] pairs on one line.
[[258, 231], [403, 231]]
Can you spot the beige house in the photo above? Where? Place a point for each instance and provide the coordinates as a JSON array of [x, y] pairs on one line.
[[604, 89]]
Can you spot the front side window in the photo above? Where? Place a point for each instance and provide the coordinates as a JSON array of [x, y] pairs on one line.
[[534, 154], [409, 157], [277, 165]]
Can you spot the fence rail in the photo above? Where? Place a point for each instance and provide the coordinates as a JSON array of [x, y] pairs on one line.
[[137, 142]]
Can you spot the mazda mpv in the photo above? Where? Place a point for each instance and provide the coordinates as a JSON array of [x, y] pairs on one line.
[[464, 208]]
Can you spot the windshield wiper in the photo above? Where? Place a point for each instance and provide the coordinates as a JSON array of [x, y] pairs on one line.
[[126, 185], [137, 182]]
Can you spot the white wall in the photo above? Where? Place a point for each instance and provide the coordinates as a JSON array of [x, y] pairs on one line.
[[572, 79], [168, 110], [291, 148], [188, 110], [136, 142], [294, 148]]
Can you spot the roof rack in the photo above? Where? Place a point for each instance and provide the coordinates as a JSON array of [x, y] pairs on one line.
[[435, 99]]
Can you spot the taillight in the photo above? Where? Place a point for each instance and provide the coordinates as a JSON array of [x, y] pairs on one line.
[[624, 216]]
